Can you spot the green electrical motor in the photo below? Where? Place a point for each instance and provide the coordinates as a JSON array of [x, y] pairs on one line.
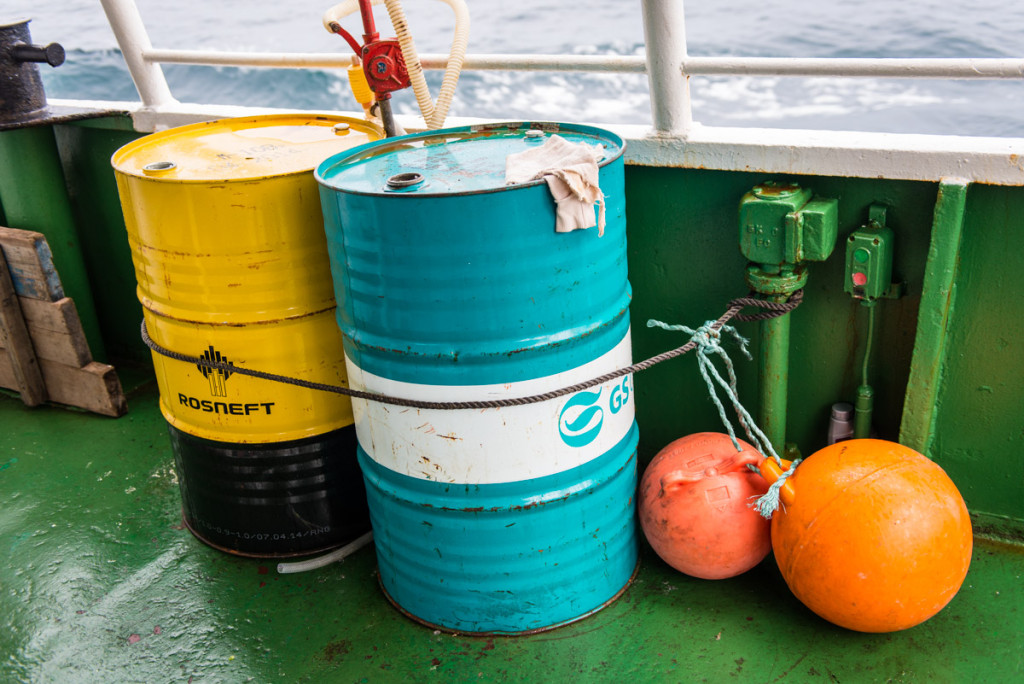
[[784, 224]]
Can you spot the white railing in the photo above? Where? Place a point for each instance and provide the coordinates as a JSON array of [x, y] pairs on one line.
[[666, 64], [504, 62], [133, 40]]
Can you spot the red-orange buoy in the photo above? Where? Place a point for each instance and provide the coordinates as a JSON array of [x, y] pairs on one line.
[[871, 535], [694, 507]]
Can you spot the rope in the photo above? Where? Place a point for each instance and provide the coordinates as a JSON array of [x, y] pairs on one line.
[[770, 500], [708, 341], [772, 310]]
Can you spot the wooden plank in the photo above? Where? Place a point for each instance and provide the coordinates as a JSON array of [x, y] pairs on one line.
[[94, 387], [31, 264], [56, 331], [50, 339], [14, 337]]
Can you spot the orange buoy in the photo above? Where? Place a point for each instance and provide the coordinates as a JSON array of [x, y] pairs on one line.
[[871, 535], [694, 507]]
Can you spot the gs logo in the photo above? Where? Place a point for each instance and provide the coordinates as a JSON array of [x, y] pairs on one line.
[[582, 417]]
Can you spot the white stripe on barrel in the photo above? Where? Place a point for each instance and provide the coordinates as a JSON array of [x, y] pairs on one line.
[[495, 445]]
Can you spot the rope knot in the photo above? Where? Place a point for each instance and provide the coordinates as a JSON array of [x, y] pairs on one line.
[[708, 341], [707, 338], [770, 501]]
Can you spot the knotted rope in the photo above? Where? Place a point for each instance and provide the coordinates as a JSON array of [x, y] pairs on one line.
[[771, 310], [706, 339]]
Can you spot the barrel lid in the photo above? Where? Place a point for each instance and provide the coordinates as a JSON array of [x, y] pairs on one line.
[[463, 160], [243, 148]]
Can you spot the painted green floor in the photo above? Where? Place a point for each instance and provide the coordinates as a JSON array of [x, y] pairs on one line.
[[100, 582]]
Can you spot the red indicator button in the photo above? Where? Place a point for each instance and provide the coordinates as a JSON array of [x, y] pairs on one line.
[[860, 279]]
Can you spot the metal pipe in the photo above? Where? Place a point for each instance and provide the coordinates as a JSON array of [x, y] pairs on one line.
[[774, 372], [953, 69], [369, 27], [665, 37], [865, 407], [387, 117], [133, 40], [332, 60], [855, 67]]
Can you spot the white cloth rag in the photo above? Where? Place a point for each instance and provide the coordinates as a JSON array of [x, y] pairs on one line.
[[570, 170]]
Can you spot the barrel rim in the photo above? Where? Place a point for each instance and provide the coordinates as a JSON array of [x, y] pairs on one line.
[[120, 155], [438, 627], [350, 155]]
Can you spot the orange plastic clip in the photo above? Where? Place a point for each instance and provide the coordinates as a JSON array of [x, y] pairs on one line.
[[771, 471]]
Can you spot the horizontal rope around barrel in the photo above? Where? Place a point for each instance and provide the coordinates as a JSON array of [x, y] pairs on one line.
[[772, 310]]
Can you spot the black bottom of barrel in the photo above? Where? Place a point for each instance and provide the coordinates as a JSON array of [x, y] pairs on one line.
[[273, 500]]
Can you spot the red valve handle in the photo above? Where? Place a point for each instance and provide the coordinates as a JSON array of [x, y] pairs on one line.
[[382, 60]]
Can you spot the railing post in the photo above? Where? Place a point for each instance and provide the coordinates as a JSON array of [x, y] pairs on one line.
[[133, 40], [665, 36]]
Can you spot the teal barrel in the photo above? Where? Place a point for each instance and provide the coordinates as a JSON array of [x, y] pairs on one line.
[[452, 286]]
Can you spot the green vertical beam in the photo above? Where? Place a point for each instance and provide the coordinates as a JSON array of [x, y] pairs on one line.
[[774, 373], [917, 429], [34, 197]]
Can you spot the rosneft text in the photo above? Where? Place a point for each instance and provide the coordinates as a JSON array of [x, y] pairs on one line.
[[232, 408]]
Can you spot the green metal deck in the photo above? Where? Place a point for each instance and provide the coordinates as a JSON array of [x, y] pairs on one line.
[[101, 582]]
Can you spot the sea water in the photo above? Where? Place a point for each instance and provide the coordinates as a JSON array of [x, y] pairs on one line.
[[776, 28]]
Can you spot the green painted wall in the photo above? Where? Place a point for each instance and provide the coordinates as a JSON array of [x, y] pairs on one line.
[[34, 194], [979, 436], [685, 266], [85, 150]]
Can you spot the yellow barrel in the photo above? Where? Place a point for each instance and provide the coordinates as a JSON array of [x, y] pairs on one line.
[[227, 238]]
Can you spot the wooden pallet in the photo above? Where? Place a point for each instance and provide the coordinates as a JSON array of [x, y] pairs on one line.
[[43, 351]]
